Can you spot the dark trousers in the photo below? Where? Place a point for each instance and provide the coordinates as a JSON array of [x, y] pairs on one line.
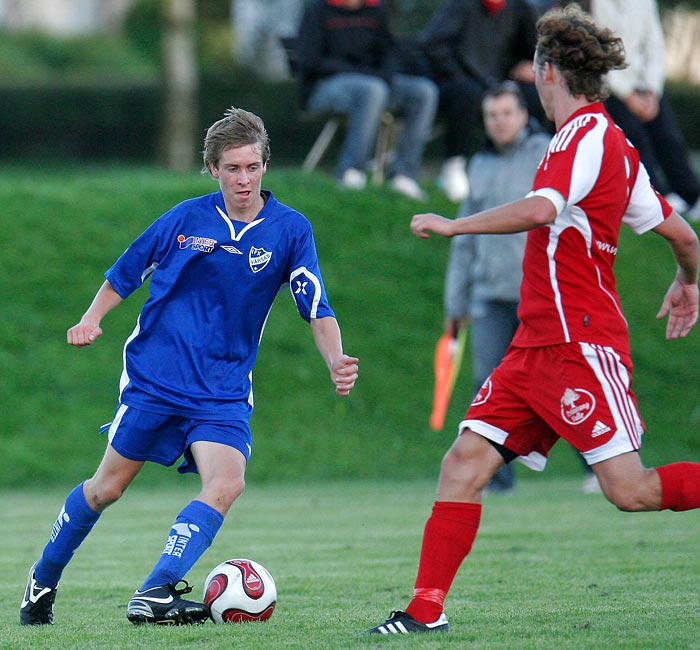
[[492, 329], [662, 149]]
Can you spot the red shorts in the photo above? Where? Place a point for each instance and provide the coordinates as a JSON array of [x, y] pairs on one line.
[[577, 391]]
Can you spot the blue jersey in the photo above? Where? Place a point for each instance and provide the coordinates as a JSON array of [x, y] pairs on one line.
[[212, 284]]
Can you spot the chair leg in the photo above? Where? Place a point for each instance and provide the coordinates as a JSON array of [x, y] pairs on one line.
[[321, 144], [381, 153]]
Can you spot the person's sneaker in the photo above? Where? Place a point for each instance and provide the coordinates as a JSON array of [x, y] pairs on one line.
[[590, 484], [408, 187], [453, 179], [402, 623], [693, 212], [164, 606], [676, 202], [353, 179], [37, 602]]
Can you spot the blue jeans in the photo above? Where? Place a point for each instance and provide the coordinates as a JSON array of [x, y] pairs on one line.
[[492, 329], [363, 98]]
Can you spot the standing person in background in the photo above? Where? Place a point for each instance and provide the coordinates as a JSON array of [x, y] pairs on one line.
[[216, 264], [567, 373], [638, 105], [542, 6], [482, 285], [472, 45], [348, 61]]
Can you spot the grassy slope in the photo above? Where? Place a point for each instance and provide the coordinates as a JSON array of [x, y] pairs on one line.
[[64, 227]]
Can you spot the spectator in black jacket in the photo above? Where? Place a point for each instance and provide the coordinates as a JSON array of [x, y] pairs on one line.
[[348, 62], [473, 45]]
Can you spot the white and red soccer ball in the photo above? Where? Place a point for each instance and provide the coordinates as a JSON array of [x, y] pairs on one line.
[[240, 590]]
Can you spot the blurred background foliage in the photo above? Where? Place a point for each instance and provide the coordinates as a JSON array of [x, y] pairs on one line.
[[104, 95]]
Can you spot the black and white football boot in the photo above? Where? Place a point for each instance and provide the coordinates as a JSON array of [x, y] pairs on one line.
[[163, 605], [402, 623], [37, 602]]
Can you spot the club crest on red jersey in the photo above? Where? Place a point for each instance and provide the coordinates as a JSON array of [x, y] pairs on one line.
[[577, 405], [483, 394]]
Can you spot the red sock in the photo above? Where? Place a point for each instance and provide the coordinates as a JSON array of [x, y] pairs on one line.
[[447, 539], [680, 486]]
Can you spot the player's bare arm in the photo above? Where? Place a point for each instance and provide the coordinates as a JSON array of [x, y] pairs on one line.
[[681, 300], [517, 216], [88, 329], [343, 368]]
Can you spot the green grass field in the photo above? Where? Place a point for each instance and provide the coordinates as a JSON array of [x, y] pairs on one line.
[[338, 489], [551, 569]]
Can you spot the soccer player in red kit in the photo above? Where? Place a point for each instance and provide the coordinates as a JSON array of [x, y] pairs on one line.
[[567, 373]]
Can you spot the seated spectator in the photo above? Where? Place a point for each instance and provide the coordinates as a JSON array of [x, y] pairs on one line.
[[637, 102], [348, 62], [473, 45]]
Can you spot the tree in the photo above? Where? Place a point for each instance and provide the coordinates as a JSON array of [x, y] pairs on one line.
[[181, 82]]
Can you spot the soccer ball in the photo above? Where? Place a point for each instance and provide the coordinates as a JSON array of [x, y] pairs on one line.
[[240, 590]]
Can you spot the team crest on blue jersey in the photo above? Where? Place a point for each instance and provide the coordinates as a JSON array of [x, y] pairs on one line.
[[203, 244], [258, 258]]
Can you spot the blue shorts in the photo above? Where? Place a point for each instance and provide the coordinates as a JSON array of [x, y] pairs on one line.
[[162, 439]]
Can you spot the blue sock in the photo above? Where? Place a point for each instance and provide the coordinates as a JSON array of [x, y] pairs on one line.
[[72, 526], [191, 535]]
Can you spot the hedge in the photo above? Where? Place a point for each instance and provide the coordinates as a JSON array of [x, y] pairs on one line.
[[122, 122]]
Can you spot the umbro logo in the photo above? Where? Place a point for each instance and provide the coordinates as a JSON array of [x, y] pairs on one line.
[[232, 249]]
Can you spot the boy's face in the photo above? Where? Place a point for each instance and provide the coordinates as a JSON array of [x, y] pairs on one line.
[[239, 172]]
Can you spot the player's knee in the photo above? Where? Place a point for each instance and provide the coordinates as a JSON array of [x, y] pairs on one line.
[[101, 495], [640, 492], [628, 499], [224, 491], [453, 463], [460, 467]]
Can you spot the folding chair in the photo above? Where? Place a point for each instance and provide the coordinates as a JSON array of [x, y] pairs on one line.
[[332, 124]]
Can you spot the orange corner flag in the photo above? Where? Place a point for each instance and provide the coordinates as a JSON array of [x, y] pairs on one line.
[[448, 358]]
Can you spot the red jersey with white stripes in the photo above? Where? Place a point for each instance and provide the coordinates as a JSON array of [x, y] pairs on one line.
[[592, 174]]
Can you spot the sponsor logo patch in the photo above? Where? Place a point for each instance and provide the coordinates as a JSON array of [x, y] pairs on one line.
[[203, 244], [177, 543]]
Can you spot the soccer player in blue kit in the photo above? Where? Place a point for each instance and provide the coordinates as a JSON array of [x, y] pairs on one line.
[[215, 264]]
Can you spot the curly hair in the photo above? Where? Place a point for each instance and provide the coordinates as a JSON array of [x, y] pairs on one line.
[[581, 50], [237, 128]]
